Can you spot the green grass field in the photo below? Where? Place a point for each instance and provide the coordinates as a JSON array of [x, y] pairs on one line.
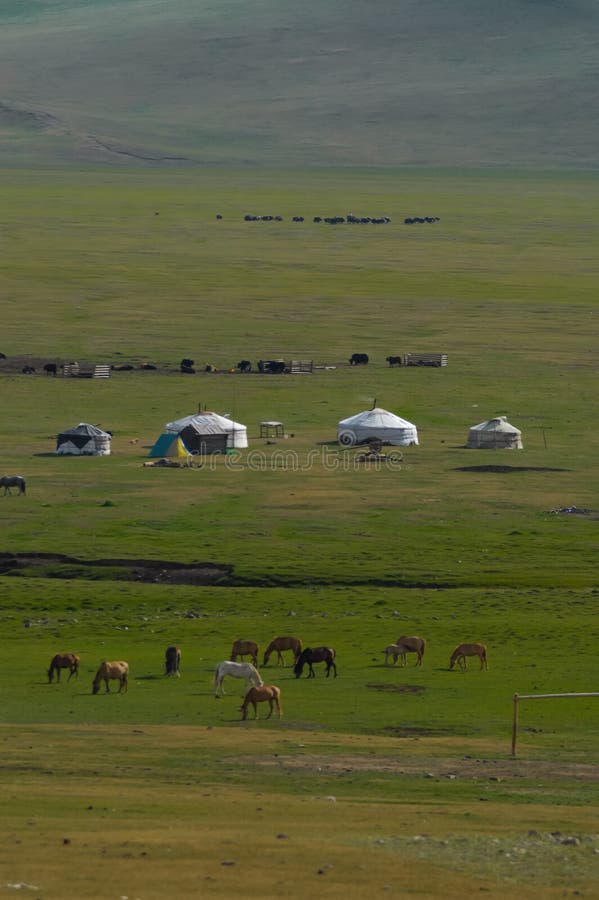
[[339, 553]]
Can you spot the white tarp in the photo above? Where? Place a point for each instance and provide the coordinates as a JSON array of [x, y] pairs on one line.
[[495, 434], [376, 423], [212, 423]]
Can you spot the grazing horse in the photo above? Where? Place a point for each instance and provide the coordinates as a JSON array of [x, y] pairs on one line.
[[237, 670], [245, 648], [68, 661], [8, 481], [463, 650], [172, 661], [415, 645], [257, 695], [318, 654], [283, 643], [112, 670]]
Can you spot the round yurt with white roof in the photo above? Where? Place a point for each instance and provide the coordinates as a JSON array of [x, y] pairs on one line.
[[376, 423], [210, 425], [495, 434], [83, 440]]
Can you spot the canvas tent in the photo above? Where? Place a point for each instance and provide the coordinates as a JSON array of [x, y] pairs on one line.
[[83, 440], [496, 434], [169, 445], [211, 430], [376, 423]]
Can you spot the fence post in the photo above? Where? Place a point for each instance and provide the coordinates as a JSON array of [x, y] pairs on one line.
[[515, 725]]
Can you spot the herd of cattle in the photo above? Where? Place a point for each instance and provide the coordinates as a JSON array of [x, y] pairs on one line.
[[349, 219]]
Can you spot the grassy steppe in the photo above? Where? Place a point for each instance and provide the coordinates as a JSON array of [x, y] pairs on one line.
[[323, 547]]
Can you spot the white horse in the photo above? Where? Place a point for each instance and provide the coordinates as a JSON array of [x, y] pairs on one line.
[[237, 670], [8, 481]]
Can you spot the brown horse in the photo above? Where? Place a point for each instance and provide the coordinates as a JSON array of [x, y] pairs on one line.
[[257, 695], [68, 661], [244, 648], [415, 645], [112, 670], [463, 650], [317, 654], [280, 644], [172, 661]]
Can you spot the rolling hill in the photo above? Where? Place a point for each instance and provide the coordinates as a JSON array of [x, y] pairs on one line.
[[279, 83]]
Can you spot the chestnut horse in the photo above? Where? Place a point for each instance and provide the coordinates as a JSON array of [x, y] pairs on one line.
[[245, 648], [415, 645], [68, 661], [172, 661], [317, 654], [255, 695], [283, 643], [112, 670], [463, 650]]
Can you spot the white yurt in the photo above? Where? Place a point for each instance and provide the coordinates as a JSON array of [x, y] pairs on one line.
[[496, 434], [83, 440], [376, 423], [210, 424]]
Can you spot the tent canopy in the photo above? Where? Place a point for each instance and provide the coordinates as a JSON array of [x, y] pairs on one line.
[[210, 423], [169, 445], [83, 440], [376, 423], [495, 434]]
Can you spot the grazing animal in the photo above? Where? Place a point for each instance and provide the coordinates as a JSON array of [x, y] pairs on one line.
[[271, 366], [237, 670], [463, 650], [123, 367], [358, 359], [244, 365], [255, 695], [245, 648], [148, 367], [415, 645], [50, 368], [28, 370], [111, 671], [187, 366], [60, 661], [8, 481], [172, 661], [312, 655], [393, 360], [280, 644]]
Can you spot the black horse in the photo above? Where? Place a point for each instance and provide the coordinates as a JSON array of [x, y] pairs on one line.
[[313, 655]]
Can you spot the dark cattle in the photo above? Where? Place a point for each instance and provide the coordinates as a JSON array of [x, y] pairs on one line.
[[187, 366], [271, 366], [278, 218], [122, 367], [297, 219], [317, 219], [219, 217], [50, 368], [358, 359], [393, 360], [2, 355], [244, 366], [28, 370]]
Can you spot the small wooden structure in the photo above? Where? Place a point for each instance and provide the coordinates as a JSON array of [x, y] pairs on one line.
[[301, 366], [434, 360], [271, 428], [74, 370]]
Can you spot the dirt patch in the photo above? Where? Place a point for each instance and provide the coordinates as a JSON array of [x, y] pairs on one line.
[[398, 688], [57, 565], [502, 470]]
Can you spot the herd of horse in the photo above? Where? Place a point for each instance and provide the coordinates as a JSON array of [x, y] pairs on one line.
[[256, 691]]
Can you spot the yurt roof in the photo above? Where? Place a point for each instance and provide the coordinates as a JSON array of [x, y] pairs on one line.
[[205, 423], [499, 423], [85, 429], [376, 418]]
